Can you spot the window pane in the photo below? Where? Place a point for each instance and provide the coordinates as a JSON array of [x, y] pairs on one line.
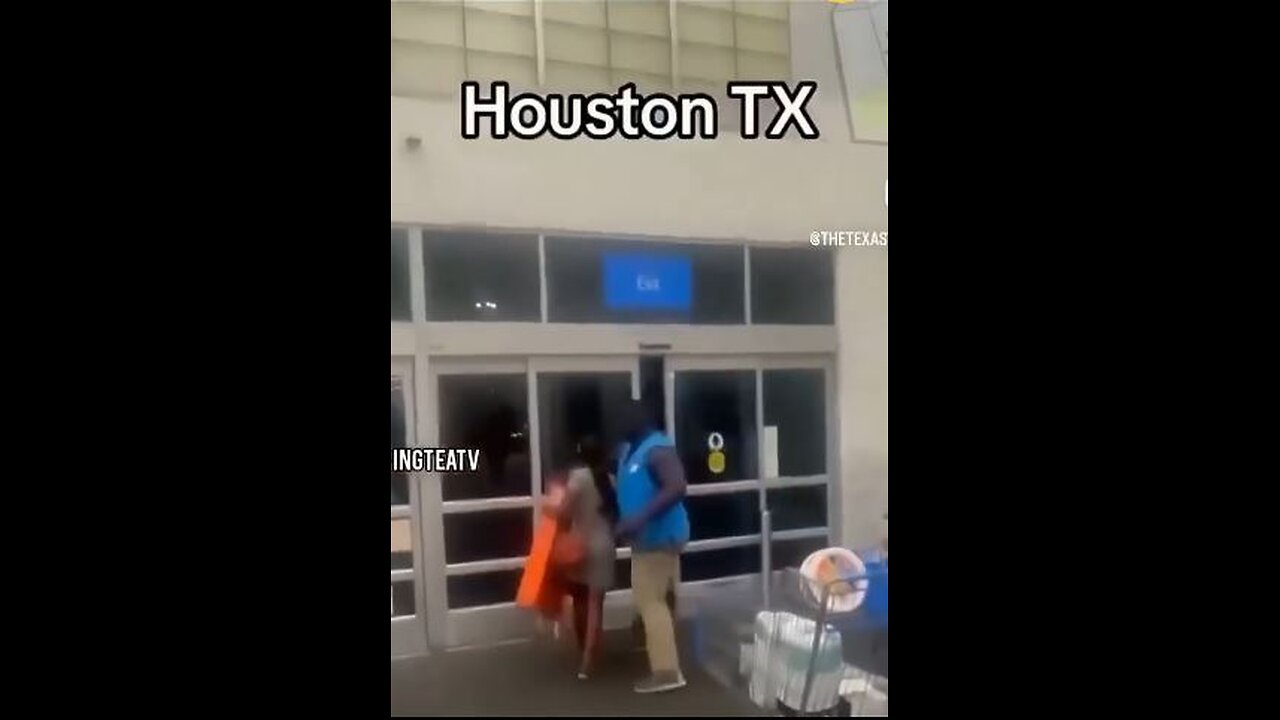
[[477, 277], [400, 275], [487, 535], [719, 401], [482, 589], [575, 406], [795, 406], [593, 280], [798, 507], [401, 545], [399, 481], [713, 516], [719, 563], [488, 412], [402, 601], [791, 553], [792, 286]]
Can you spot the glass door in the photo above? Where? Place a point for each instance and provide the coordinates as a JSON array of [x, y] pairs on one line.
[[408, 629], [754, 434], [797, 444], [578, 400], [526, 416], [712, 415]]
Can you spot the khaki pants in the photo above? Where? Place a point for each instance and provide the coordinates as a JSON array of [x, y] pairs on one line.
[[653, 574]]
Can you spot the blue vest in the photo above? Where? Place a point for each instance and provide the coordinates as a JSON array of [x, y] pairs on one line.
[[637, 488]]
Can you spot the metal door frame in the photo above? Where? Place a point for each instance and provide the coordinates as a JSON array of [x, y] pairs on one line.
[[409, 632], [488, 623]]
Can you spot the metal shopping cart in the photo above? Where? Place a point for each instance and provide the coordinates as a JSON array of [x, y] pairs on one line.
[[794, 649]]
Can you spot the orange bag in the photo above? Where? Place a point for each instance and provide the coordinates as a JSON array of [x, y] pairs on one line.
[[537, 569]]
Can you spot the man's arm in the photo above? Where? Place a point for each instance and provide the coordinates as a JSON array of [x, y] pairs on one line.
[[665, 464]]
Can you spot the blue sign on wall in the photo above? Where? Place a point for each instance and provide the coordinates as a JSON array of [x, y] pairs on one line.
[[638, 281]]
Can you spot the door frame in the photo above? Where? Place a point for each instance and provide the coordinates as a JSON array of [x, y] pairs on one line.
[[409, 632], [488, 623]]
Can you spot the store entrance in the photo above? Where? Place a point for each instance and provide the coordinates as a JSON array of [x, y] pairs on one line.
[[529, 417]]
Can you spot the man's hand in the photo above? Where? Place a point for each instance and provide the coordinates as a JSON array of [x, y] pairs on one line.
[[628, 527]]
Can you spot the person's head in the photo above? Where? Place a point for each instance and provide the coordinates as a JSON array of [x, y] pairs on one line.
[[591, 453], [634, 420]]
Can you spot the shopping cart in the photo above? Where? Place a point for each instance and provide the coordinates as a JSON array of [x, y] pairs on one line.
[[792, 649], [863, 633]]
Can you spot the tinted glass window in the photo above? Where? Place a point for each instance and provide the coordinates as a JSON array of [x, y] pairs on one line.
[[400, 275], [792, 286], [479, 276]]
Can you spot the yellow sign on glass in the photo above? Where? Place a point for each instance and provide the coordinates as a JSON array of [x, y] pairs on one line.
[[715, 462]]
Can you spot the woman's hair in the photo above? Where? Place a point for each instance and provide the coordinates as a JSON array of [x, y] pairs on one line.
[[592, 454]]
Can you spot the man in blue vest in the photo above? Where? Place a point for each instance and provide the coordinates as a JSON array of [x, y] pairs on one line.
[[651, 488]]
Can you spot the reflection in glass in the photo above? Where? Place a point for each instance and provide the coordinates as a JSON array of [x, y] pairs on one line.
[[488, 412], [716, 401]]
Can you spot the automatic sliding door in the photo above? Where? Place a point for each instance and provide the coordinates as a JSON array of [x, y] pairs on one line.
[[485, 517], [527, 418], [714, 412], [754, 434], [794, 454], [578, 401]]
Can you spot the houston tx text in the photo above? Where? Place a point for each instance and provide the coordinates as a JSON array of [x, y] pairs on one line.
[[631, 115]]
